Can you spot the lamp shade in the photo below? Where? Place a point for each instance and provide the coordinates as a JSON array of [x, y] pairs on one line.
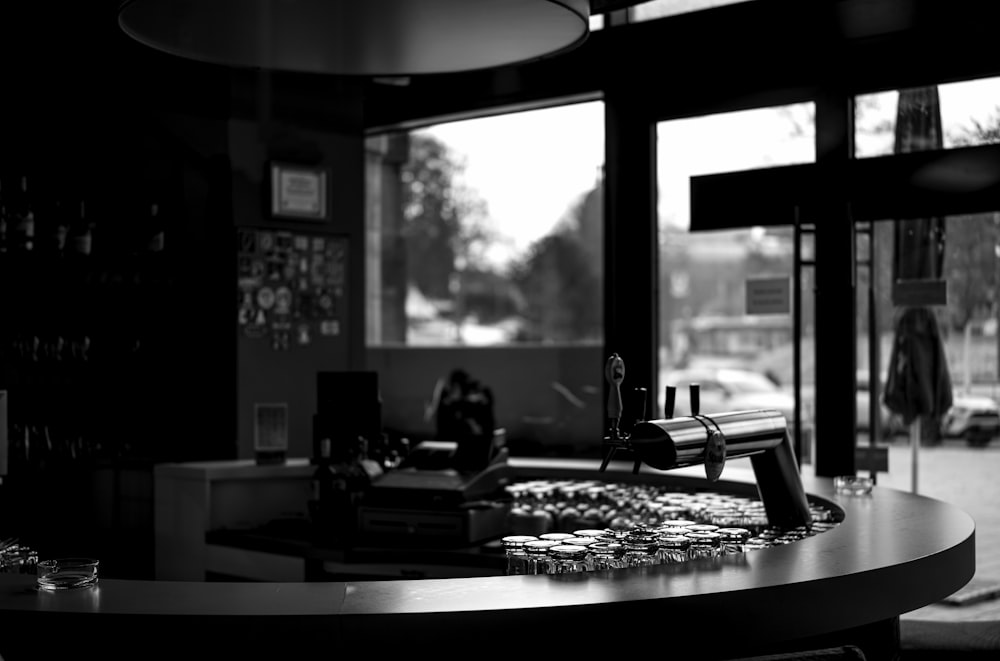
[[358, 37]]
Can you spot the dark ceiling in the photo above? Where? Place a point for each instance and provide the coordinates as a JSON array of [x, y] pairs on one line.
[[78, 56]]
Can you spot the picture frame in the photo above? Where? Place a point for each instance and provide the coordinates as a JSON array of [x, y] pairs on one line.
[[299, 192], [270, 431]]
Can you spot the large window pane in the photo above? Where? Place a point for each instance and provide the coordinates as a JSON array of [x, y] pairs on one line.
[[489, 230], [951, 457], [707, 335], [485, 254], [898, 121]]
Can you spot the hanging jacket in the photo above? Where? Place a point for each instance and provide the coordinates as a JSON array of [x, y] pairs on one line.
[[918, 383]]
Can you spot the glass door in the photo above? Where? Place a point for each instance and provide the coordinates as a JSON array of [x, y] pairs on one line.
[[729, 319]]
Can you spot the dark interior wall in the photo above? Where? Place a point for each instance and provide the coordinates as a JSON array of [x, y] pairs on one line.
[[89, 117], [266, 374]]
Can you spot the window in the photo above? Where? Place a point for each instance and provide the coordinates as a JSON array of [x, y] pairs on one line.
[[967, 113], [653, 9], [485, 253], [703, 314], [495, 218]]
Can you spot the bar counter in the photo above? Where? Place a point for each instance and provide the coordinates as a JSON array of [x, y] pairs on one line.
[[894, 552]]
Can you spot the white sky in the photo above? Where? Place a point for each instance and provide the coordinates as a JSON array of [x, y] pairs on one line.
[[548, 158], [531, 166]]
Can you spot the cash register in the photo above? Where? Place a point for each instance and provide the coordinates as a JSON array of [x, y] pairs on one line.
[[435, 498]]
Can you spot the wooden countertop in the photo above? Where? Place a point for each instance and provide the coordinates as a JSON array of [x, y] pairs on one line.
[[893, 553]]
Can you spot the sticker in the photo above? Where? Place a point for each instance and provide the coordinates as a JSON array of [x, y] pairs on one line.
[[318, 244], [257, 269], [303, 304], [283, 300], [247, 285], [244, 266], [302, 334], [265, 298], [283, 242], [325, 301], [254, 332], [246, 309], [266, 241], [247, 241], [329, 327], [301, 242], [258, 328], [316, 271], [279, 335]]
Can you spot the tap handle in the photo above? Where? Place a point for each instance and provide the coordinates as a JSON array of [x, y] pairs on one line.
[[638, 402], [668, 407], [695, 399], [614, 372]]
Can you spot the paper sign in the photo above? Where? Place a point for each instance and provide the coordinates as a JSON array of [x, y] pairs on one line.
[[270, 429], [769, 296]]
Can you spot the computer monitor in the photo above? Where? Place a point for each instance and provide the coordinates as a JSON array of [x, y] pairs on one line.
[[348, 405]]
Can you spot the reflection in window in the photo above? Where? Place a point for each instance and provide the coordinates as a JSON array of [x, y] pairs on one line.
[[487, 231], [945, 116], [704, 322]]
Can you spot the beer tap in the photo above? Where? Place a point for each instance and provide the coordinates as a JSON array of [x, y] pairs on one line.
[[760, 434], [614, 372]]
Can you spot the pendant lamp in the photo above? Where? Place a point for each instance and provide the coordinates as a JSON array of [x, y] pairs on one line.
[[358, 37]]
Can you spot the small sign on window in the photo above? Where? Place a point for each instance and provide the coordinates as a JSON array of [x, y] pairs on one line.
[[769, 295]]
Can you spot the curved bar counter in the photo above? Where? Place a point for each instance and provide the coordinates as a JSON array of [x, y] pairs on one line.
[[894, 552]]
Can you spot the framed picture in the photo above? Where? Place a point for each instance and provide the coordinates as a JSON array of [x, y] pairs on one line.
[[299, 191], [270, 428]]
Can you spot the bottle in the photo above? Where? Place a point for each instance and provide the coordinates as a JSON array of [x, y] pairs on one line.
[[80, 233], [155, 230], [3, 220], [328, 491], [23, 218], [321, 475]]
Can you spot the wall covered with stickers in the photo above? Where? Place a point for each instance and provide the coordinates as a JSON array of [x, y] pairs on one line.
[[291, 287]]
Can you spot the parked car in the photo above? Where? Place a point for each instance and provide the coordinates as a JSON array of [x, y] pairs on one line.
[[973, 417], [723, 389]]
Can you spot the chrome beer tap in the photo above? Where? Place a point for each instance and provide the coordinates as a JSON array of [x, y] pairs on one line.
[[667, 443]]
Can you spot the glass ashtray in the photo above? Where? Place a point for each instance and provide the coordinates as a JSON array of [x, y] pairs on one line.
[[66, 573], [852, 485]]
